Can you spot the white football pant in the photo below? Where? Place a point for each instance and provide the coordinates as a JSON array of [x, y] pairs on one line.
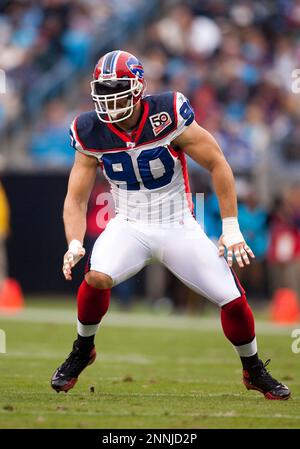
[[124, 248]]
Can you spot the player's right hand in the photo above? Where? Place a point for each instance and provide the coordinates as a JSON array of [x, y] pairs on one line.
[[72, 257]]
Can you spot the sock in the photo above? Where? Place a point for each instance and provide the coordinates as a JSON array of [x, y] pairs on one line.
[[85, 343], [92, 305], [249, 362], [238, 326]]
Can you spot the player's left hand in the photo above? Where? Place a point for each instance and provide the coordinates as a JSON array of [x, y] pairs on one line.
[[232, 239], [239, 250]]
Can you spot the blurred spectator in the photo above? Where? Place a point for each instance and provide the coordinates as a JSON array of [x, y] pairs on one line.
[[253, 220], [212, 219], [182, 32], [238, 75], [284, 249], [290, 144], [50, 142], [37, 36], [4, 230], [10, 106]]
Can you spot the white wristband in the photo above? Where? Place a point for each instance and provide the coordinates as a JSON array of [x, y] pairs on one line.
[[231, 231], [74, 246]]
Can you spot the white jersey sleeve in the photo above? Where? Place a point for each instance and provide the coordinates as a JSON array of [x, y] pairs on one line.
[[185, 114]]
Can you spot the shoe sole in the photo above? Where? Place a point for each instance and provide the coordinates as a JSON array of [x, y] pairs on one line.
[[72, 382], [268, 395]]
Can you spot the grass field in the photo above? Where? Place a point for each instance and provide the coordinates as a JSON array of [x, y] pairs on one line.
[[152, 371]]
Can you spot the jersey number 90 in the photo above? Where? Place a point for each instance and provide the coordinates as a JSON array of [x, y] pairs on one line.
[[119, 167]]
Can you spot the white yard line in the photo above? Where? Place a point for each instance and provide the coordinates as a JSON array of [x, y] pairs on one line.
[[137, 320], [142, 395], [139, 359], [196, 395], [229, 415]]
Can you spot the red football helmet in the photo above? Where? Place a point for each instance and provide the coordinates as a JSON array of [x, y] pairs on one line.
[[118, 85]]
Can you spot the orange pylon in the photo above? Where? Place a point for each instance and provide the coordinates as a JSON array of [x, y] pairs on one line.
[[285, 307], [11, 297]]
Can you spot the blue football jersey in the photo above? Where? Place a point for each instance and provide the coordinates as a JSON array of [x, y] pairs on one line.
[[148, 177]]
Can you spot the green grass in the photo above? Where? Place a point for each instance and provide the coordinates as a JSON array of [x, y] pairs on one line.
[[151, 372]]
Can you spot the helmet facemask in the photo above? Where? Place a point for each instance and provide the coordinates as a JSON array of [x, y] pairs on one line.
[[107, 93]]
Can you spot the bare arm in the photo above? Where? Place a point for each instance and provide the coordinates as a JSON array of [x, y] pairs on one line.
[[200, 145], [81, 181]]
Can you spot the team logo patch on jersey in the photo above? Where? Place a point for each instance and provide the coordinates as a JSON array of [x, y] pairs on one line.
[[160, 122]]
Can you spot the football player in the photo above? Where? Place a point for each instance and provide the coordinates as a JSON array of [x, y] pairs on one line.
[[141, 142]]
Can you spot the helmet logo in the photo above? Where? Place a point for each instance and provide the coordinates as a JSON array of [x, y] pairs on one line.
[[135, 67]]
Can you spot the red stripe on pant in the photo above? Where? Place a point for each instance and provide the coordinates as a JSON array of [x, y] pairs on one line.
[[237, 282], [92, 303]]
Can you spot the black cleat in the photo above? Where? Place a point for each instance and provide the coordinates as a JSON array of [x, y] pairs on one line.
[[258, 378], [66, 376]]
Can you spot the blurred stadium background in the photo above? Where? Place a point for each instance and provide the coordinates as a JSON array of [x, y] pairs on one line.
[[234, 60]]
